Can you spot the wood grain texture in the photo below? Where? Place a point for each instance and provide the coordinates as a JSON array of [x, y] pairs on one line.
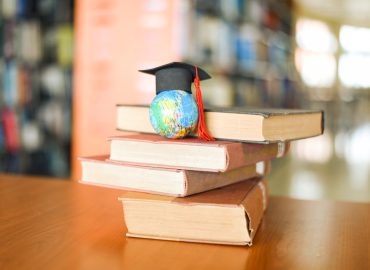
[[56, 224]]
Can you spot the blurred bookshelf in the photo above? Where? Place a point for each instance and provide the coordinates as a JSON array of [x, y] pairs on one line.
[[35, 76], [247, 47]]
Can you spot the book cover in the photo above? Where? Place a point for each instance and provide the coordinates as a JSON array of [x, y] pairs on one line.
[[97, 170], [239, 124], [191, 153], [229, 215]]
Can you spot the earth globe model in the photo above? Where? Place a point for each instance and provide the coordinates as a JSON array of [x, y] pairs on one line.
[[174, 114]]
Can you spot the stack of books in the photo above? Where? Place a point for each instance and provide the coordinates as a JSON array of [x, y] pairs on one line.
[[194, 190]]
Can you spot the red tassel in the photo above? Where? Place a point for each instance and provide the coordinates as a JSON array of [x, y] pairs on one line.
[[202, 129]]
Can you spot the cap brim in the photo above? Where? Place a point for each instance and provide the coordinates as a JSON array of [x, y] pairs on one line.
[[203, 75]]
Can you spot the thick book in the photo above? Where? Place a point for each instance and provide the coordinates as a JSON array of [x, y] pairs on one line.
[[240, 124], [99, 171], [191, 153], [229, 215]]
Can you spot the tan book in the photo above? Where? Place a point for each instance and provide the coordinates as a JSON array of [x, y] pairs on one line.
[[191, 153], [229, 215], [99, 171], [240, 124]]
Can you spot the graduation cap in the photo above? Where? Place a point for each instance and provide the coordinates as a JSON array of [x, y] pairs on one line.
[[180, 76], [176, 76]]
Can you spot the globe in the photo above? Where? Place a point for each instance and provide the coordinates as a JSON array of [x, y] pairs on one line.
[[174, 114]]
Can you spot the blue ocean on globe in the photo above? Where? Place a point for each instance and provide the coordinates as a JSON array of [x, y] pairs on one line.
[[174, 114]]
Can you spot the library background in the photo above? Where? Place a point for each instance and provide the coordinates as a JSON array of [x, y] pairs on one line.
[[64, 65]]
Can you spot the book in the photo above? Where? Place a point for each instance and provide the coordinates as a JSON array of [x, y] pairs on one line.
[[191, 153], [229, 215], [98, 170], [240, 124]]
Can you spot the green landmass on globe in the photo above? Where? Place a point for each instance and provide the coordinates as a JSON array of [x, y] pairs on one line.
[[174, 114]]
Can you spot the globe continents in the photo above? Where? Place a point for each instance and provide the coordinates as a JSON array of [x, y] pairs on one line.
[[174, 114]]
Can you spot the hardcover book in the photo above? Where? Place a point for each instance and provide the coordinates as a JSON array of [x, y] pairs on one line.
[[191, 153], [239, 124], [229, 215], [172, 182]]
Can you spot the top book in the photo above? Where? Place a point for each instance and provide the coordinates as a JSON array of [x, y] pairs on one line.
[[238, 124]]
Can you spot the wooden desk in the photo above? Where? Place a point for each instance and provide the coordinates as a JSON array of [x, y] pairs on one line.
[[54, 224]]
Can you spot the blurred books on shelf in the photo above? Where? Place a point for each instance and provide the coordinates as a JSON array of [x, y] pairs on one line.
[[248, 44], [36, 61], [244, 44]]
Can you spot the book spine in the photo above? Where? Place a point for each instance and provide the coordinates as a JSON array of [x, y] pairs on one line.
[[244, 154], [255, 204], [196, 182]]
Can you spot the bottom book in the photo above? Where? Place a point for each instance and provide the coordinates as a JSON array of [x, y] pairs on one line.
[[229, 215]]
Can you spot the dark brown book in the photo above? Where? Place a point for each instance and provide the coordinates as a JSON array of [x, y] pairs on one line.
[[229, 215], [239, 124]]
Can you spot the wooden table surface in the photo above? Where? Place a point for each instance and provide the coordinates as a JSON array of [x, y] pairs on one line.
[[56, 224]]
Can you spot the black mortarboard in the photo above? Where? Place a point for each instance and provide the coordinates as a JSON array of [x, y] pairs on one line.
[[175, 76]]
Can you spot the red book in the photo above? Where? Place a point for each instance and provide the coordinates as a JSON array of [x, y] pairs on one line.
[[11, 133]]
